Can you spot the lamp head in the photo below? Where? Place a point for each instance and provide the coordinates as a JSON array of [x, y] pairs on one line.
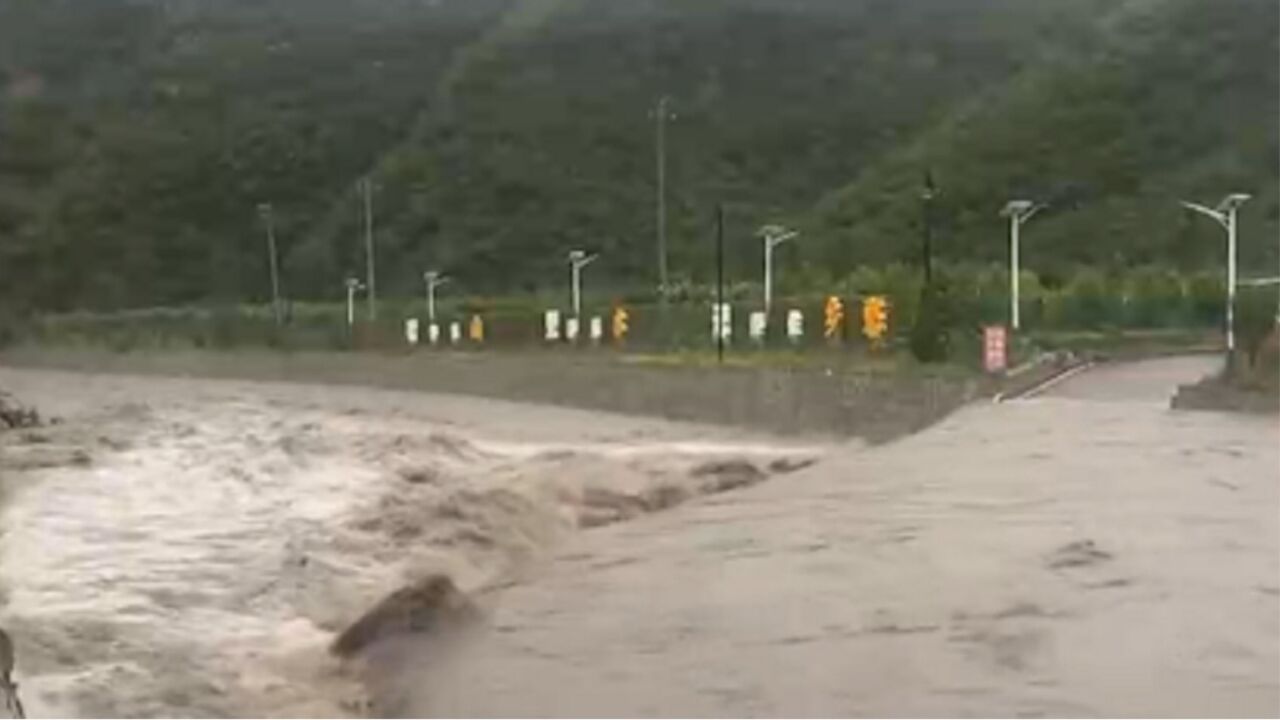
[[776, 234], [1233, 202], [1017, 208]]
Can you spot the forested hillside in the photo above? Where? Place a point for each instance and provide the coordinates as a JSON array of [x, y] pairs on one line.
[[137, 138], [1180, 101]]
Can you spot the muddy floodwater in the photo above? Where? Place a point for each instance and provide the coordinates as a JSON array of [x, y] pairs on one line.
[[191, 547], [188, 547]]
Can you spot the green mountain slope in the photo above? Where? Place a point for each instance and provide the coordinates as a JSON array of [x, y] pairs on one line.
[[551, 142], [137, 137], [1181, 102]]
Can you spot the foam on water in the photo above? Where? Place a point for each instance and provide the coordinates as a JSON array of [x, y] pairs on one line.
[[203, 568]]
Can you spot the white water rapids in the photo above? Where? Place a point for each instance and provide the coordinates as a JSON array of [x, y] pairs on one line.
[[188, 548]]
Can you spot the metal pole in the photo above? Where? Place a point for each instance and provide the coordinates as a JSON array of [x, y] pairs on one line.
[[576, 271], [720, 283], [371, 282], [774, 236], [768, 277], [662, 195], [1015, 226], [269, 220], [434, 280], [351, 303], [1231, 280]]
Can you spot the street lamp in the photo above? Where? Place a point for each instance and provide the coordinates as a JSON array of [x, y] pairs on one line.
[[265, 211], [353, 286], [773, 235], [434, 279], [578, 259], [1018, 212], [1225, 214]]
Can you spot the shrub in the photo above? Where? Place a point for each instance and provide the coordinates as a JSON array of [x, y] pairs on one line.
[[1088, 303], [1154, 297], [1255, 322], [929, 332]]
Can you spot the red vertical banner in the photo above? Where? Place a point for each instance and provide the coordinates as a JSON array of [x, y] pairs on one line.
[[995, 344]]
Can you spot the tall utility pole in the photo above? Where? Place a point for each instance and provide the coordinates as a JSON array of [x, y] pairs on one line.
[[268, 219], [371, 286], [1018, 212], [1225, 215], [661, 114]]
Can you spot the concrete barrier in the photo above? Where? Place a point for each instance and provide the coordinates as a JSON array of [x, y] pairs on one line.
[[873, 405]]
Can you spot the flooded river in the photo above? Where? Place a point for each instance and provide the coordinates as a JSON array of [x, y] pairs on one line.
[[184, 547], [189, 547]]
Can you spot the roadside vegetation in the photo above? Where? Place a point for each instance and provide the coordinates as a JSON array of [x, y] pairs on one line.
[[1088, 310]]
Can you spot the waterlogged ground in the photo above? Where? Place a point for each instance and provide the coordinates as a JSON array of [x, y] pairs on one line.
[[1084, 553], [187, 547], [190, 547]]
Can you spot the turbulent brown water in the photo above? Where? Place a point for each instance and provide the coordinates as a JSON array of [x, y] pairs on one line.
[[188, 547], [182, 547], [1087, 553]]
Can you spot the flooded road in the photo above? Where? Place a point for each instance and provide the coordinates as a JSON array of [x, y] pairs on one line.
[[1085, 553], [187, 547], [191, 547]]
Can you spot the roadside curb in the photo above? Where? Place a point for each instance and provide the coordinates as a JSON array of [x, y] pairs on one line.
[[1038, 376]]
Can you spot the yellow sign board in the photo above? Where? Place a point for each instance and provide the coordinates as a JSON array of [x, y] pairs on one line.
[[621, 323], [833, 318], [875, 317], [476, 330]]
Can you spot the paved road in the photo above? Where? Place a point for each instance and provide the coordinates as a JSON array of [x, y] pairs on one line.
[[1149, 381], [1085, 553]]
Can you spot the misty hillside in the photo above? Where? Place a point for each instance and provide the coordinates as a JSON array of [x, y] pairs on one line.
[[137, 138], [1180, 101]]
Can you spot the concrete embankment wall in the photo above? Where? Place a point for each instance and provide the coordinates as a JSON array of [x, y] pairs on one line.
[[847, 402]]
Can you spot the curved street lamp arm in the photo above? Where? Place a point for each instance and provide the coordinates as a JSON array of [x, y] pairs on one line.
[[1206, 211]]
